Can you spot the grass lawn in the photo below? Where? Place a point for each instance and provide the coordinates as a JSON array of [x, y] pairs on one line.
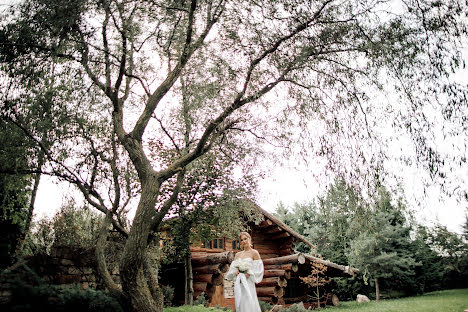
[[455, 300]]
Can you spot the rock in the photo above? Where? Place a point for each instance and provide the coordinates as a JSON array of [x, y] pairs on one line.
[[362, 298], [335, 300], [300, 305], [277, 308]]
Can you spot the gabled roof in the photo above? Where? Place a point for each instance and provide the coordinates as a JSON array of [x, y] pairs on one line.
[[283, 226]]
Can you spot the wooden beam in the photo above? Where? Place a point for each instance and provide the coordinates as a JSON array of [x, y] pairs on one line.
[[264, 223], [289, 266], [211, 269], [281, 235], [273, 281], [274, 229], [222, 257], [279, 273], [270, 291], [296, 258]]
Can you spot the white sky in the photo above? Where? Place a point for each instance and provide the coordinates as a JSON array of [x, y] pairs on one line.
[[289, 186]]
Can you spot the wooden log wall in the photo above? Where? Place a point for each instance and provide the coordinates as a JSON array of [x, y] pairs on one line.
[[277, 272], [208, 271]]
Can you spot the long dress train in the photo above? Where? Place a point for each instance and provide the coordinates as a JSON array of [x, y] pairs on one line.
[[244, 288]]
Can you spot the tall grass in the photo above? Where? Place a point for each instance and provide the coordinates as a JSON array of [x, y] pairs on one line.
[[455, 300]]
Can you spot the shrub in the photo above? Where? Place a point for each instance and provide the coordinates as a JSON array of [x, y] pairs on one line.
[[265, 306], [168, 294], [201, 300], [29, 293]]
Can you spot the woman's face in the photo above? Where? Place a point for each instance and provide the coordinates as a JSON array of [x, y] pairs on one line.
[[244, 241]]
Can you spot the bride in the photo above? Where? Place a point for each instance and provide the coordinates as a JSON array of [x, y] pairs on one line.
[[245, 271]]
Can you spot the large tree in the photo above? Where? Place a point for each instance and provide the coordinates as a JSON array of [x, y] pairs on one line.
[[253, 71], [382, 251]]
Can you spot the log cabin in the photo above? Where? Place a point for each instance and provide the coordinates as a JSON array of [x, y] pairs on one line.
[[281, 284]]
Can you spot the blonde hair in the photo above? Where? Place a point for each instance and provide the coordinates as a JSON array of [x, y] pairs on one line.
[[247, 235]]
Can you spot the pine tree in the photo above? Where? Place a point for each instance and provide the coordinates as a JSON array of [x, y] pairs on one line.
[[382, 252]]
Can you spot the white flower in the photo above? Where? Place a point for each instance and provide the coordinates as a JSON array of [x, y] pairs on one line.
[[242, 265]]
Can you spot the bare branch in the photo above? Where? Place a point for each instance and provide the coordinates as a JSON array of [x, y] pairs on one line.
[[167, 134], [168, 204]]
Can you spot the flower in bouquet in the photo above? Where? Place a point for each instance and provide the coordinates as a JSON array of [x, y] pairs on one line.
[[242, 265]]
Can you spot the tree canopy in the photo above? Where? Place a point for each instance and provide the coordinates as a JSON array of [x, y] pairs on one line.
[[197, 76]]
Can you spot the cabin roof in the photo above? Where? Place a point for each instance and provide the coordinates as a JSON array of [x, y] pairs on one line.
[[283, 226]]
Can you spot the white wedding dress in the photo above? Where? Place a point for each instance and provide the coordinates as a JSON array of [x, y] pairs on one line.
[[244, 288]]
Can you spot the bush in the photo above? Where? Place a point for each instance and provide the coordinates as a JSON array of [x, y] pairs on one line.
[[265, 306], [71, 226], [29, 293], [78, 300], [201, 300], [168, 294]]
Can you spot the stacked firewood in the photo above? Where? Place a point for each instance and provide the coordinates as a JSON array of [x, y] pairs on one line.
[[208, 270], [276, 275]]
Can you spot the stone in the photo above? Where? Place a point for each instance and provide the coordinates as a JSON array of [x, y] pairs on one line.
[[300, 305], [362, 298]]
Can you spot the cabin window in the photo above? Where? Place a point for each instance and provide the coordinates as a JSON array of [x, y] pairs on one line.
[[216, 243], [235, 244]]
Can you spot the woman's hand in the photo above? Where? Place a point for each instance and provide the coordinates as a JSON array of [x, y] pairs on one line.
[[247, 275]]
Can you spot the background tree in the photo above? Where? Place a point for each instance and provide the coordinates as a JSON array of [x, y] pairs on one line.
[[382, 251], [211, 204], [454, 253], [465, 228], [429, 276], [131, 55]]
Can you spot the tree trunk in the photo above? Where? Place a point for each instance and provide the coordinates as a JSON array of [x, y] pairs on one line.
[[151, 275], [132, 275], [103, 272], [27, 225], [377, 289], [188, 280]]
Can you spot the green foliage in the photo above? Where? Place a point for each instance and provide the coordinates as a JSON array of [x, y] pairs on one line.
[[168, 294], [13, 213], [211, 204], [264, 306], [29, 293], [382, 251], [428, 276], [453, 251], [71, 226], [201, 300], [380, 241]]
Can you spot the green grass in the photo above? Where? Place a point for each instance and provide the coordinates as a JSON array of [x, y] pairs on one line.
[[455, 300], [196, 308]]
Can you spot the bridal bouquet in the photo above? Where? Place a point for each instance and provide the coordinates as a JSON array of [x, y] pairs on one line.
[[242, 265]]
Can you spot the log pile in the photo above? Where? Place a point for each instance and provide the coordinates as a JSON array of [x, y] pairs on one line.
[[208, 270], [277, 272]]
